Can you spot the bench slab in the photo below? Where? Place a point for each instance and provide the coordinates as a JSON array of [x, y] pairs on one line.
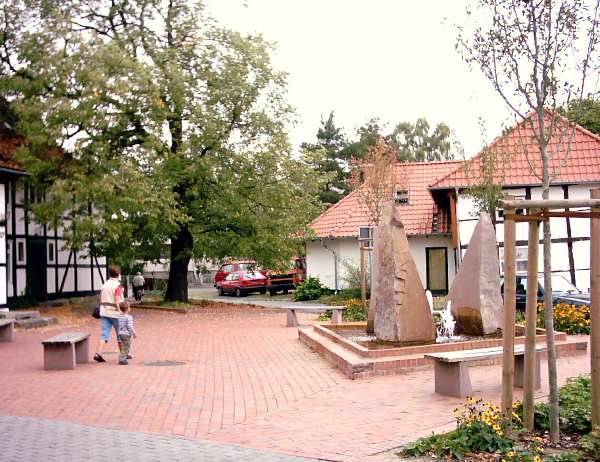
[[65, 350], [452, 373], [7, 330], [292, 319]]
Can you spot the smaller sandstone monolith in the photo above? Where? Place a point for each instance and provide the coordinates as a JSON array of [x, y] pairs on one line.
[[401, 311], [477, 303]]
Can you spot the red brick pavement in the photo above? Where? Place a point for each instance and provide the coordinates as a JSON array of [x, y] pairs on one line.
[[246, 379]]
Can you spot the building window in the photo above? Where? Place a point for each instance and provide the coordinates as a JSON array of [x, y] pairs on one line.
[[50, 252], [20, 252], [365, 234], [437, 270], [520, 258], [402, 196]]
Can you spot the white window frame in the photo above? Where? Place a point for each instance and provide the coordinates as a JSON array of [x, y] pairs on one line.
[[366, 237]]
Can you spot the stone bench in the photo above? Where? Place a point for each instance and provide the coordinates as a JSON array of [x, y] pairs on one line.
[[292, 319], [452, 371], [63, 351], [7, 330]]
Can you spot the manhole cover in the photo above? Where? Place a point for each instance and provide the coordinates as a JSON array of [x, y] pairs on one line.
[[165, 362]]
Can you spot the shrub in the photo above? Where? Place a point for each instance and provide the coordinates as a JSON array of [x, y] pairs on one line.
[[478, 429], [574, 398], [352, 276], [355, 311], [570, 319], [310, 289]]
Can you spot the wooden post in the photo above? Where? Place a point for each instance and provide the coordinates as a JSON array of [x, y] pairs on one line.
[[530, 321], [363, 275], [508, 330], [595, 312]]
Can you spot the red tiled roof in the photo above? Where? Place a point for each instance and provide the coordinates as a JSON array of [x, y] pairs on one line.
[[9, 142], [514, 169], [344, 218]]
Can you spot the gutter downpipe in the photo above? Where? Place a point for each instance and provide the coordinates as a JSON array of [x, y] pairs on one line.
[[335, 264]]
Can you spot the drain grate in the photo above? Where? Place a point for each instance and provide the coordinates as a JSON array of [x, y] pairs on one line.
[[165, 362]]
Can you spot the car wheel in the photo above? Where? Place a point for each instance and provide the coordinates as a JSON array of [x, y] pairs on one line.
[[221, 292], [263, 291], [238, 292], [272, 292], [285, 291]]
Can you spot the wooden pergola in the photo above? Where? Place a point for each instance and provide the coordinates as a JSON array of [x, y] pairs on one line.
[[538, 211]]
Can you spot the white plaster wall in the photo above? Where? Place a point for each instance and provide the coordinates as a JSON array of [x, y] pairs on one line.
[[320, 260], [21, 281], [50, 281], [19, 221], [98, 277], [84, 279]]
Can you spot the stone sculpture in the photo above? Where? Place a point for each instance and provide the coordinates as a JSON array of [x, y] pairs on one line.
[[400, 308], [477, 304]]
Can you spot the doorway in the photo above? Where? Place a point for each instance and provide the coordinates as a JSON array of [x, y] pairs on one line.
[[437, 270], [36, 268]]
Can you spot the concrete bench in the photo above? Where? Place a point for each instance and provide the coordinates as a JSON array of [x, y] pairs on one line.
[[7, 330], [292, 319], [452, 371], [63, 351]]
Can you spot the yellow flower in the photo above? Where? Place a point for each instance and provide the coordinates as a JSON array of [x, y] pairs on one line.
[[537, 459], [510, 453]]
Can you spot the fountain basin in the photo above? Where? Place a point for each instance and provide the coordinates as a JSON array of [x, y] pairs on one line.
[[358, 361]]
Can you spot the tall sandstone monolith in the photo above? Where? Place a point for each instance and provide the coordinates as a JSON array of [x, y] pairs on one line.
[[401, 312], [477, 305]]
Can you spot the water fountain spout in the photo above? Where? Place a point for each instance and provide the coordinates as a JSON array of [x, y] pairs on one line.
[[446, 329]]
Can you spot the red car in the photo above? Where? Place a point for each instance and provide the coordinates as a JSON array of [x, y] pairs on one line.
[[239, 265], [242, 283]]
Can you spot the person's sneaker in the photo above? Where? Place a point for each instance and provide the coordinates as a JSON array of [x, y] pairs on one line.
[[99, 359], [129, 357], [123, 363]]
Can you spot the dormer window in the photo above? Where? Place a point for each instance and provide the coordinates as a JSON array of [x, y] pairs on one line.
[[402, 196]]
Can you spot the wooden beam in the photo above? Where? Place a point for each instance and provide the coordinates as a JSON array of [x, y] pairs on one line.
[[595, 312], [549, 204], [508, 330], [530, 322], [453, 219]]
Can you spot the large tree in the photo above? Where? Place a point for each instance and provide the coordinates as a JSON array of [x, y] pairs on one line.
[[418, 143], [585, 112], [326, 157], [537, 54], [171, 130]]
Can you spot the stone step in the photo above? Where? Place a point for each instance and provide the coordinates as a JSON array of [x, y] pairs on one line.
[[20, 314], [32, 323]]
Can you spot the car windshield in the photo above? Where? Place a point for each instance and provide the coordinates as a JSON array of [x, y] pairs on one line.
[[560, 284], [253, 275]]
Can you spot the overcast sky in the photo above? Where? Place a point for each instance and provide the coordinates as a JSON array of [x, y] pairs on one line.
[[394, 59]]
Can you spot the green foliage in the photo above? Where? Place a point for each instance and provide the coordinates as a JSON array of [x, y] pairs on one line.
[[479, 429], [575, 399], [417, 143], [310, 289], [590, 446], [352, 276], [571, 319], [155, 125], [325, 156], [585, 112], [356, 311]]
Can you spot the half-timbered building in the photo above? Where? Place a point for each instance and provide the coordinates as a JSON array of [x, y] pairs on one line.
[[439, 212], [35, 261]]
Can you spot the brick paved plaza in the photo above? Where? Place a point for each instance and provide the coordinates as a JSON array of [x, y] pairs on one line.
[[248, 390]]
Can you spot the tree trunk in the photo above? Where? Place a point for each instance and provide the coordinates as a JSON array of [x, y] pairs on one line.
[[181, 251], [549, 320]]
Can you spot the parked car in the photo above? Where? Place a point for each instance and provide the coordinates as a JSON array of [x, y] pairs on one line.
[[238, 265], [242, 283], [563, 291], [284, 281]]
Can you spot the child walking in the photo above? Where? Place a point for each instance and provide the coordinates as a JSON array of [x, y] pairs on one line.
[[126, 331]]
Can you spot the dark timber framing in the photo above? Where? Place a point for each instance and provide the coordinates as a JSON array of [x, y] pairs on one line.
[[16, 183]]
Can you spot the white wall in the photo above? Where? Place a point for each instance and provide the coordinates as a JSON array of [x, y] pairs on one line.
[[320, 258]]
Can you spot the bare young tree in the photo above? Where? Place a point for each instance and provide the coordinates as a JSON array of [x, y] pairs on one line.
[[538, 55], [373, 179]]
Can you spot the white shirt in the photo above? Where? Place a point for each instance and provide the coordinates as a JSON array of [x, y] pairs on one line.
[[111, 292]]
